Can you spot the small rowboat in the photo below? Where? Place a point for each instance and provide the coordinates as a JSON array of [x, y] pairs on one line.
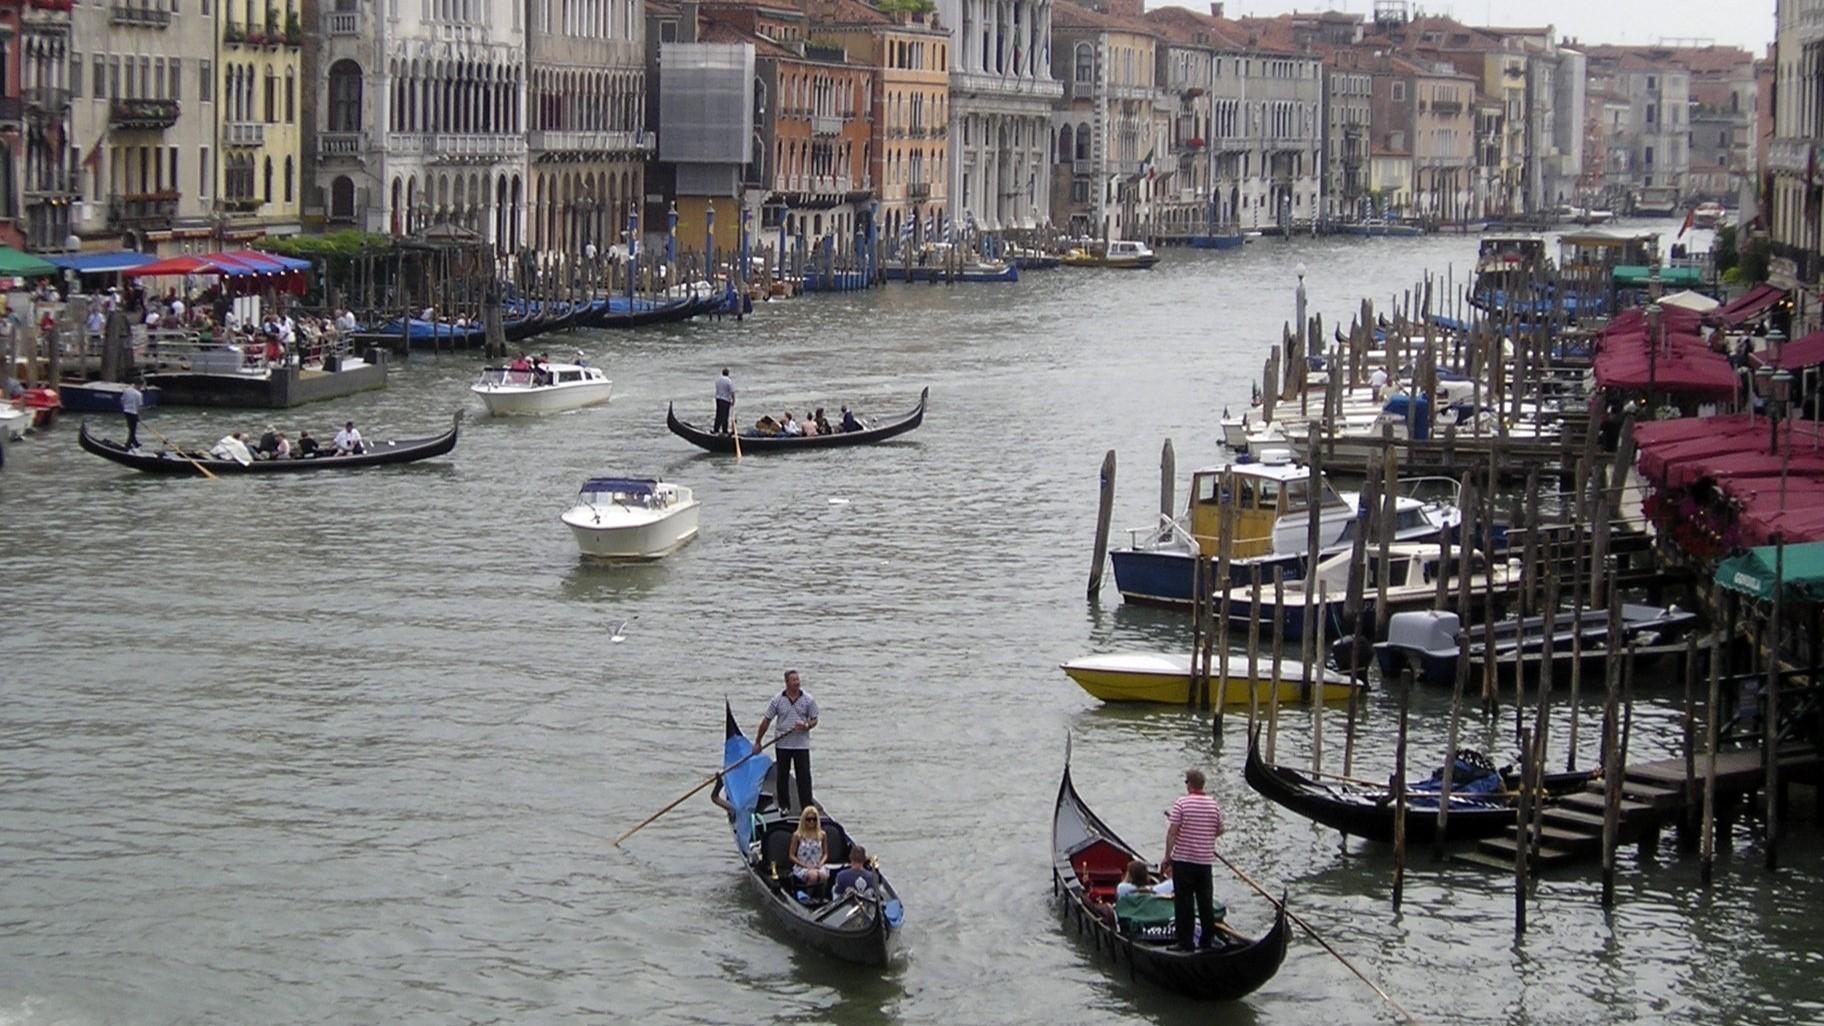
[[1088, 859], [1366, 811], [378, 454], [864, 929], [750, 442], [1166, 677]]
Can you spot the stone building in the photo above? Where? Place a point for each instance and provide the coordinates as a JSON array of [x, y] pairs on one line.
[[1115, 120], [1001, 96]]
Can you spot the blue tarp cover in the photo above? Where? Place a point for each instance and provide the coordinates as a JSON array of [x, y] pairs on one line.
[[101, 263], [630, 485], [741, 783]]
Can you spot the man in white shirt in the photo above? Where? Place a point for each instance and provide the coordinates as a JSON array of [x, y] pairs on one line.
[[348, 441], [725, 402], [791, 427], [177, 310], [346, 321], [131, 399], [1377, 382]]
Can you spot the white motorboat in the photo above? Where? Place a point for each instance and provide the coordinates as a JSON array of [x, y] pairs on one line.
[[15, 419], [632, 518], [551, 388]]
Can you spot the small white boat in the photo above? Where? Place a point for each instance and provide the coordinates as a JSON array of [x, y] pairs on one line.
[[14, 420], [552, 388], [632, 518]]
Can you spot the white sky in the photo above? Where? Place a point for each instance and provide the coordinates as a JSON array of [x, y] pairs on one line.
[[1744, 23]]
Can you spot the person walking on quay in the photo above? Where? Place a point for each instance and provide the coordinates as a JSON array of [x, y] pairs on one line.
[[131, 399], [725, 402], [795, 713], [1190, 850]]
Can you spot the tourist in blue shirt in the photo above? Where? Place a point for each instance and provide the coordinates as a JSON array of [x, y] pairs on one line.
[[856, 876]]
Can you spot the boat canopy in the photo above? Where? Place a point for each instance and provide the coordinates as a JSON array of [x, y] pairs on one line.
[[1757, 572], [621, 485]]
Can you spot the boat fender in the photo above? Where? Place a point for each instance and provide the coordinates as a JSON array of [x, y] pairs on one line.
[[895, 913]]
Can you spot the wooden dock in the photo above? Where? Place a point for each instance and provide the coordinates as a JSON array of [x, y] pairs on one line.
[[1654, 795]]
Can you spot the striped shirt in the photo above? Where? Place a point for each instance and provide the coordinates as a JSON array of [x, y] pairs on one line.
[[1199, 822], [787, 715]]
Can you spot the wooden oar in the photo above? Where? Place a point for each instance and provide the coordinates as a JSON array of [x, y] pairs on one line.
[[1296, 918], [713, 777], [169, 446]]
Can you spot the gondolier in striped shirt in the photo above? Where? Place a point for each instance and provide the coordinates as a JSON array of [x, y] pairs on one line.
[[794, 712], [1190, 850]]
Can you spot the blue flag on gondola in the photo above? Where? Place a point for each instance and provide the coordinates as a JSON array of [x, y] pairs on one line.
[[741, 783]]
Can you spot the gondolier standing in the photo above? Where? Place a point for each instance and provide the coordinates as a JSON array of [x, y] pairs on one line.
[[725, 401], [795, 712], [1190, 848], [131, 399]]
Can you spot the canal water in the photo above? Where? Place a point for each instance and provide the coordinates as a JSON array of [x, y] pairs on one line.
[[340, 749]]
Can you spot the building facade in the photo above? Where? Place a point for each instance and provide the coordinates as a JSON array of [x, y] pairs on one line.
[[1108, 63], [257, 130], [422, 120], [1652, 93], [143, 115], [586, 145], [1795, 156], [1001, 96]]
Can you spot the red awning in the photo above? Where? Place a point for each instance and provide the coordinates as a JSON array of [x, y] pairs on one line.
[[1753, 303], [172, 266], [1805, 352]]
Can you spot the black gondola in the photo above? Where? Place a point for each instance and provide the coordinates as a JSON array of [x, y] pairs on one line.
[[1368, 812], [863, 929], [1088, 860], [784, 443], [378, 454]]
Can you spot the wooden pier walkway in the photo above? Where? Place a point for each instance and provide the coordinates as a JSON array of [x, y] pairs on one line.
[[1653, 795]]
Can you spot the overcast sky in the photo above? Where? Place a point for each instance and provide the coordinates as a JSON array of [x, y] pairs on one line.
[[1745, 23]]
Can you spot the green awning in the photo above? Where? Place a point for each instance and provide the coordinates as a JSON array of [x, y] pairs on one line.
[[24, 265], [1753, 572], [1640, 275]]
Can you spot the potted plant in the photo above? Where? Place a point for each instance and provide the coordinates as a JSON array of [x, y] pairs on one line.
[[294, 30]]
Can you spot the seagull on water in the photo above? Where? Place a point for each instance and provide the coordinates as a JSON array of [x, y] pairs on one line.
[[616, 636]]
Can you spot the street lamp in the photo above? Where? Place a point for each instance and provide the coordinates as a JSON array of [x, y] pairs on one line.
[[1782, 398], [1776, 345]]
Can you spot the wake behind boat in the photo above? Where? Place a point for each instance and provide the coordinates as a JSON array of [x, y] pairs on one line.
[[194, 462], [853, 927], [1088, 860], [753, 441]]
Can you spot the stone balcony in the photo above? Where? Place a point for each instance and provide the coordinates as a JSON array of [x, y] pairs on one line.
[[826, 124], [144, 115], [128, 15], [339, 145], [142, 209], [345, 23], [243, 133], [1045, 89], [565, 141]]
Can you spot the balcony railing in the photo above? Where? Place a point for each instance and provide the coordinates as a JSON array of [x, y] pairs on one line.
[[917, 132], [918, 190], [332, 145], [58, 185], [1791, 155], [53, 98], [148, 17], [345, 23], [244, 133], [554, 141], [143, 209], [155, 115], [826, 124], [474, 148], [1448, 108]]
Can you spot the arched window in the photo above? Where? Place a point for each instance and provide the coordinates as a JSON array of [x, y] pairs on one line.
[[291, 97], [266, 194], [272, 97], [1083, 142], [345, 96], [1086, 63], [1065, 148], [288, 179]]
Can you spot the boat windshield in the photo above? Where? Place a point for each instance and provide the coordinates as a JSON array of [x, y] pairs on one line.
[[498, 376], [620, 491]]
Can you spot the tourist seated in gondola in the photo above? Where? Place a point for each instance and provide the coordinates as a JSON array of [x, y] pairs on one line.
[[849, 421], [282, 450], [269, 444], [809, 426], [822, 422], [809, 846], [307, 446], [856, 876], [790, 427], [232, 447], [1139, 878]]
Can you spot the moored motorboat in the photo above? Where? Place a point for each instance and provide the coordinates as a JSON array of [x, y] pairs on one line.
[[1089, 859], [15, 420], [1426, 640], [1482, 799], [550, 388], [632, 518], [1121, 254], [752, 441], [1165, 677], [1406, 579], [101, 396], [863, 928], [195, 462]]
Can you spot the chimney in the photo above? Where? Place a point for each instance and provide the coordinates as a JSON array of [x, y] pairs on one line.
[[1215, 8]]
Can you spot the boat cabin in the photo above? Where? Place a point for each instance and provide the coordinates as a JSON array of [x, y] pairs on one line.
[[1119, 249], [628, 492], [1261, 496], [1406, 566], [554, 374]]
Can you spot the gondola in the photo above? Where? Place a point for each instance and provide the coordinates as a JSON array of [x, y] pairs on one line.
[[864, 929], [1367, 811], [784, 443], [378, 454], [1088, 859]]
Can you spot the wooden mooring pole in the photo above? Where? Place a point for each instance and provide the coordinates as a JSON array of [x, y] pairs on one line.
[[1105, 510], [1399, 793]]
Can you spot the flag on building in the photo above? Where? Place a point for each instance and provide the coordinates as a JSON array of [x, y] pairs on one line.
[[1690, 219]]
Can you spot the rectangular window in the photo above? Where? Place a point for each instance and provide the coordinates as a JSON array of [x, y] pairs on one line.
[[114, 78], [202, 174], [75, 76], [158, 79], [1399, 92], [100, 92], [177, 78], [174, 178], [208, 6], [205, 84]]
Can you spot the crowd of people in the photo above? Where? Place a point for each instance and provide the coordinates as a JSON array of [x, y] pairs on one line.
[[813, 424], [275, 336]]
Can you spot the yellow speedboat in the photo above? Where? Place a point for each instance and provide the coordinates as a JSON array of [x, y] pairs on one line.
[[1166, 677]]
